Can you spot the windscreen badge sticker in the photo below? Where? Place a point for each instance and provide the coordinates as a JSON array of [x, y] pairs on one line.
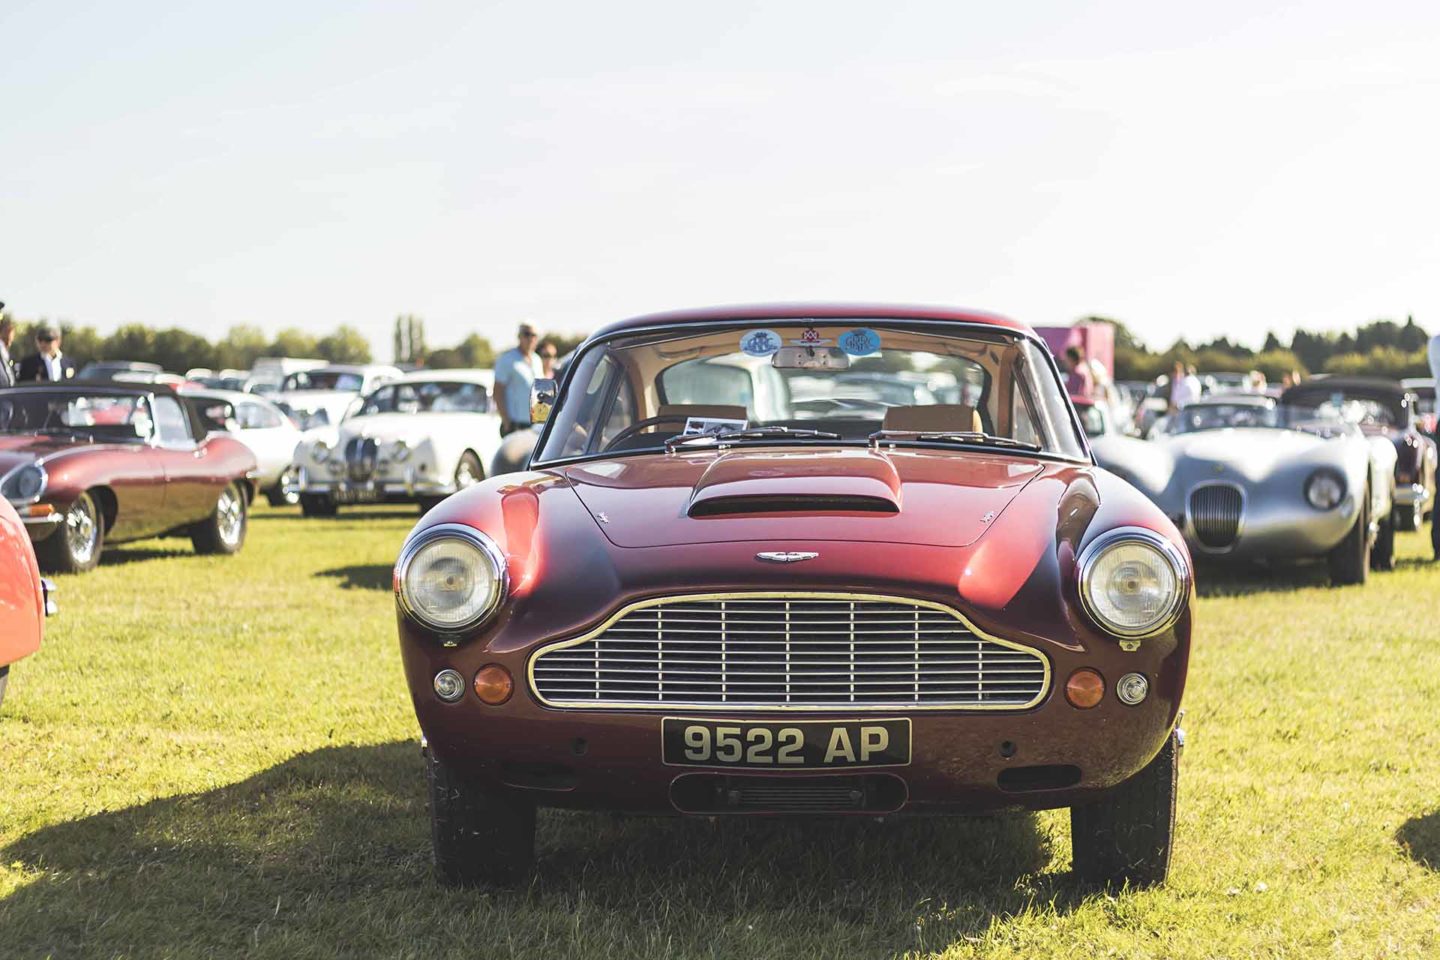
[[811, 338], [710, 426], [760, 343], [860, 342]]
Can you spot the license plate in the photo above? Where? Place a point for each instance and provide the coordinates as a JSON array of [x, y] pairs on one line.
[[357, 495], [785, 745]]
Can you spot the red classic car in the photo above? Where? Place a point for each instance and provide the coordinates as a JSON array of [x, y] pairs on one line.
[[85, 464], [25, 596], [725, 585]]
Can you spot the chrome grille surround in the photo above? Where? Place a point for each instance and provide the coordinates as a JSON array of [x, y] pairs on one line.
[[361, 456], [1216, 511], [789, 651]]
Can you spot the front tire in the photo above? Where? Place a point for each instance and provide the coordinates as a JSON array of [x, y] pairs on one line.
[[76, 546], [223, 532], [4, 679], [277, 495], [1435, 534], [318, 505], [1126, 836], [1382, 555], [1350, 560], [481, 835]]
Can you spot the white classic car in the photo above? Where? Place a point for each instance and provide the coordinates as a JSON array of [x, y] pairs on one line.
[[326, 395], [417, 439], [260, 425]]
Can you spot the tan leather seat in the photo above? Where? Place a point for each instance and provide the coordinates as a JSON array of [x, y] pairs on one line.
[[706, 411], [934, 418]]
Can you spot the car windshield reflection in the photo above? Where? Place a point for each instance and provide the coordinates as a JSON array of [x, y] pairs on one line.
[[98, 416]]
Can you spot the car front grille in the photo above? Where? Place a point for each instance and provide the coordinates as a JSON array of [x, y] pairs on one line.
[[1215, 512], [361, 455], [789, 651]]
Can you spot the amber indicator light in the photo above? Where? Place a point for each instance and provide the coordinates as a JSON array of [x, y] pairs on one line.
[[493, 684], [1084, 689]]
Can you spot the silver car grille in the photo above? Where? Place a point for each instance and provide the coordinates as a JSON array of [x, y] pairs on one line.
[[1215, 512], [789, 651], [361, 455]]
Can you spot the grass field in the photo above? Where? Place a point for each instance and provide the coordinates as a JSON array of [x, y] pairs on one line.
[[217, 757]]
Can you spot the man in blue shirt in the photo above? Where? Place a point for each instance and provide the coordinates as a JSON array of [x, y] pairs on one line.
[[515, 370]]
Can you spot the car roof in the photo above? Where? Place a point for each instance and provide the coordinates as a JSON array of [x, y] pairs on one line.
[[1374, 386], [1234, 400], [485, 378], [94, 388], [755, 312], [230, 396]]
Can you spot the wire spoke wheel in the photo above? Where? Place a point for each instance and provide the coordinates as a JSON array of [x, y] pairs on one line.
[[82, 529], [230, 516]]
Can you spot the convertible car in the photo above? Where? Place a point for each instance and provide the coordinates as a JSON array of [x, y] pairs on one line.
[[1245, 477], [415, 440], [1380, 408], [262, 427], [25, 596], [696, 603], [88, 464]]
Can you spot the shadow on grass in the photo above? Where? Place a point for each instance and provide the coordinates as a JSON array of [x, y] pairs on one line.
[[328, 854], [119, 556], [367, 576], [1420, 839], [1215, 578]]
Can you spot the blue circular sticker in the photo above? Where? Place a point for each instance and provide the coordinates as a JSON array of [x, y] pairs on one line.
[[860, 342], [760, 343]]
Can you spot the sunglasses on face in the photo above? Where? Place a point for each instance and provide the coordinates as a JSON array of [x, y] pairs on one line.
[[46, 339]]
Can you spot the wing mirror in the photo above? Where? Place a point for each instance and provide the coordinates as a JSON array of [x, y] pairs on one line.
[[542, 399]]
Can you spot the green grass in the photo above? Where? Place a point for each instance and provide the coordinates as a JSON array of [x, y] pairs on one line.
[[218, 757]]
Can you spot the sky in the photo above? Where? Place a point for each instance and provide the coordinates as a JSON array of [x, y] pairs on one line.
[[1197, 170]]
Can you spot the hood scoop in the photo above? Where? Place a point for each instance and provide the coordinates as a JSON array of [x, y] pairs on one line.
[[839, 482], [791, 503]]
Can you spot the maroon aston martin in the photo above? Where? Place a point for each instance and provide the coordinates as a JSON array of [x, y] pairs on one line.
[[800, 560], [87, 464]]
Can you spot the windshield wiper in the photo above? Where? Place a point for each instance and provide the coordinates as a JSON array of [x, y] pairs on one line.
[[753, 433], [967, 437]]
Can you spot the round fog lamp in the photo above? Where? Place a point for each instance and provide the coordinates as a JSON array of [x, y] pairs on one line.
[[1132, 688], [449, 685], [493, 684], [1085, 688]]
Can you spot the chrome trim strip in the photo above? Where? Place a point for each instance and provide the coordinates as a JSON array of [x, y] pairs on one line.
[[1177, 561], [728, 681]]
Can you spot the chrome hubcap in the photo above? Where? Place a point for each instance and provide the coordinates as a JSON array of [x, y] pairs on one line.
[[80, 531], [231, 515]]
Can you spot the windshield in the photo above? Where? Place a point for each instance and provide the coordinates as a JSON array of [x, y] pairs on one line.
[[840, 381], [1222, 416], [434, 396], [324, 380], [100, 416]]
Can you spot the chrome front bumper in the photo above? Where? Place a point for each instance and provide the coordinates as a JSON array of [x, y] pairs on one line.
[[1410, 494], [381, 488]]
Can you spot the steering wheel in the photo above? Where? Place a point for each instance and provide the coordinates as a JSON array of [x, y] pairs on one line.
[[639, 425]]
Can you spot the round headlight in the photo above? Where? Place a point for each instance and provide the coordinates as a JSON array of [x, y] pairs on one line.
[[27, 483], [1324, 490], [321, 451], [451, 577], [400, 452], [1133, 582]]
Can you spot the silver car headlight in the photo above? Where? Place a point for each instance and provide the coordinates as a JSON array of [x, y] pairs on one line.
[[1325, 489], [24, 483], [321, 451], [450, 578], [400, 452], [1133, 582]]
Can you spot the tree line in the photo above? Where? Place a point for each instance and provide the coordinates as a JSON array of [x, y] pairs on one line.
[[1383, 348]]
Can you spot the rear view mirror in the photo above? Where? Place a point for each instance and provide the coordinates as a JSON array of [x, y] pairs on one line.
[[811, 358], [542, 399]]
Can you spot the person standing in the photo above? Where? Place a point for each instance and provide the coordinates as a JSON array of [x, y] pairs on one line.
[[7, 337], [548, 353], [48, 363], [1081, 382], [1184, 387], [515, 370]]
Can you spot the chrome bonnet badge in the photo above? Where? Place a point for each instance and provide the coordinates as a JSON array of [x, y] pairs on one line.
[[783, 556]]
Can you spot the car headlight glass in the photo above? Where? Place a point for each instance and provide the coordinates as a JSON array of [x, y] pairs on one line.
[[1324, 490], [1133, 582], [451, 577], [321, 451], [25, 483]]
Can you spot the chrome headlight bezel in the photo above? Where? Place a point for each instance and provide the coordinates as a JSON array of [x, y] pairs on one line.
[[10, 483], [1167, 551], [400, 451], [1325, 473], [489, 553]]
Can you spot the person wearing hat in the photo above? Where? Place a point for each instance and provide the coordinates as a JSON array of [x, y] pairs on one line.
[[515, 370], [49, 363]]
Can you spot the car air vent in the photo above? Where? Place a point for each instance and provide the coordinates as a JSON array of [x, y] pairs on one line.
[[1215, 512], [730, 506]]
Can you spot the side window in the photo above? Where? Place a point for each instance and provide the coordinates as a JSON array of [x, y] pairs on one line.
[[1022, 423], [253, 416], [704, 382], [622, 413], [171, 427]]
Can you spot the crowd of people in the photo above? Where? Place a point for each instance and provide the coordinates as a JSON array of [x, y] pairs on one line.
[[516, 370], [48, 362]]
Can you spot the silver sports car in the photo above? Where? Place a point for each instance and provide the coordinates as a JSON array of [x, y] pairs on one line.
[[1243, 476]]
